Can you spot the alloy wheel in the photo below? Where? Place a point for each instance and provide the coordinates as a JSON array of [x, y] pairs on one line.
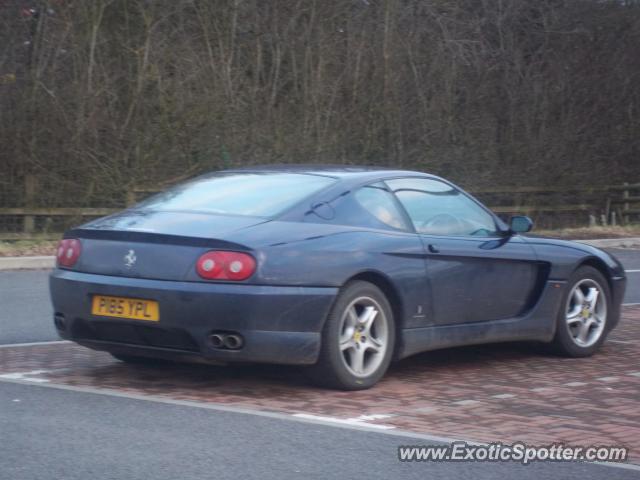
[[364, 336], [586, 312]]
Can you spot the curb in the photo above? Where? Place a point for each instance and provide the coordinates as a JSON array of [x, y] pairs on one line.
[[27, 263], [48, 262]]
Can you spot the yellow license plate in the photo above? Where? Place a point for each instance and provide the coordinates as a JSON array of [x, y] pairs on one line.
[[122, 307]]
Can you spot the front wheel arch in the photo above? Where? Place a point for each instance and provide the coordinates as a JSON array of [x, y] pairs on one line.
[[595, 262]]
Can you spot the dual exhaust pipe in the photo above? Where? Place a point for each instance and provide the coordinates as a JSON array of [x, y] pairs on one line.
[[230, 341]]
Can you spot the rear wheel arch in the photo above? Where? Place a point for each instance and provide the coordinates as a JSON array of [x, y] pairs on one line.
[[383, 283]]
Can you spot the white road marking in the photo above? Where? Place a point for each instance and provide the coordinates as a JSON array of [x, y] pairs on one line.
[[575, 384], [624, 466], [374, 416], [607, 379], [632, 271], [504, 395], [630, 304], [18, 375], [364, 427], [347, 421], [22, 376], [33, 344], [31, 376]]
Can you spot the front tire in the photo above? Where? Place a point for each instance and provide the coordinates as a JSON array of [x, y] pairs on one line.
[[358, 339], [582, 323]]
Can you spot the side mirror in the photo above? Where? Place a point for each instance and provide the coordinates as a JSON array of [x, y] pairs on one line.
[[521, 224]]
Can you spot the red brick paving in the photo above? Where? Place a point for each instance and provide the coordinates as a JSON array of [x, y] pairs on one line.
[[453, 393]]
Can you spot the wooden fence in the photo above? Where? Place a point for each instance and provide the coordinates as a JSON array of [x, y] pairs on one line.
[[603, 205]]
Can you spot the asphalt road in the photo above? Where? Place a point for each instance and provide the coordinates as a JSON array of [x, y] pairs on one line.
[[56, 434], [48, 433], [25, 308], [631, 261]]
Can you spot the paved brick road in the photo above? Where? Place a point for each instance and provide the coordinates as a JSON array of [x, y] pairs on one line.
[[489, 393]]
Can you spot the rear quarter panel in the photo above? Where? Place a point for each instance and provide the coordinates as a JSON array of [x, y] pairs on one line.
[[308, 254]]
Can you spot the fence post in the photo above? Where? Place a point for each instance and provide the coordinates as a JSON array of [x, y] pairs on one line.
[[603, 219], [30, 193], [131, 197], [625, 208]]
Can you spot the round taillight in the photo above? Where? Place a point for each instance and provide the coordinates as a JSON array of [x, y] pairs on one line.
[[68, 252], [219, 265], [209, 265]]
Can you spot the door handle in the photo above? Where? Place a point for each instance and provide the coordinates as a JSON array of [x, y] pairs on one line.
[[433, 248]]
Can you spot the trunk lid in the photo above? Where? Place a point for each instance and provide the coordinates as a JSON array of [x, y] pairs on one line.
[[155, 245]]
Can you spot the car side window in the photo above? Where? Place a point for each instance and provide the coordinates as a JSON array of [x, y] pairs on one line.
[[370, 206], [379, 202], [436, 208]]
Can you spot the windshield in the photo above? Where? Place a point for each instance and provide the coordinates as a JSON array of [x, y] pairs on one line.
[[251, 193]]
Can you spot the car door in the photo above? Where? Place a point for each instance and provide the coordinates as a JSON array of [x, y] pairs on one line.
[[475, 271]]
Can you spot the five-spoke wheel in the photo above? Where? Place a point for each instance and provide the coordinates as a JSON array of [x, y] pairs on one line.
[[586, 312], [357, 339], [364, 335], [582, 324]]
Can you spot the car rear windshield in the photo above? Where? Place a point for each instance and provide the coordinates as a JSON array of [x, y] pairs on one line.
[[251, 194]]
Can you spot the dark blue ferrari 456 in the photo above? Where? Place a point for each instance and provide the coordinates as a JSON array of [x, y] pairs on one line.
[[339, 269]]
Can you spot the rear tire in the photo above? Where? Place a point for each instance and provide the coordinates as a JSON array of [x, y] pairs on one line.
[[583, 320], [358, 339]]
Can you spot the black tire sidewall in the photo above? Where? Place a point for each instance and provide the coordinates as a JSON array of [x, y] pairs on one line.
[[330, 369]]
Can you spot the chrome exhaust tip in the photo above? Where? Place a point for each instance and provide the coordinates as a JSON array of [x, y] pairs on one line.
[[233, 342], [218, 341]]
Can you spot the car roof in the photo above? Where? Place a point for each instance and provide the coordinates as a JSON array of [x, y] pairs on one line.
[[343, 172]]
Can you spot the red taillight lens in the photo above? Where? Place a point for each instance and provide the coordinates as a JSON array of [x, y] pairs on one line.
[[68, 252], [217, 265]]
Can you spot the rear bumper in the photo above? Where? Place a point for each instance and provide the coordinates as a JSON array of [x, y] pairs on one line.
[[278, 324]]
